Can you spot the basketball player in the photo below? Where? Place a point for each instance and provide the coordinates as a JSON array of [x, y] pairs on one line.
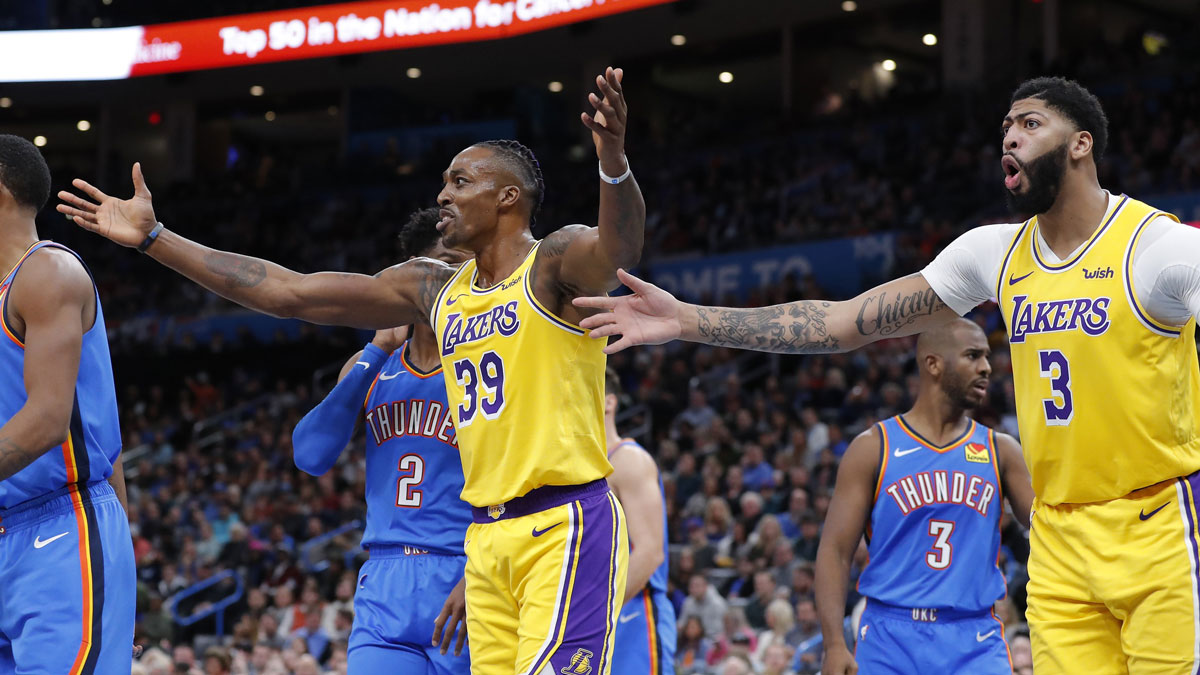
[[1100, 293], [645, 640], [926, 487], [415, 520], [547, 551], [66, 555]]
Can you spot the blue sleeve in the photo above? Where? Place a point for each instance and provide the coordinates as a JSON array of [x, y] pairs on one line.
[[320, 437]]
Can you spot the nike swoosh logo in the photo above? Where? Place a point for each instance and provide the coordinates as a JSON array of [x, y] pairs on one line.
[[981, 638], [901, 453], [451, 301], [1012, 280], [538, 533], [1146, 516], [385, 376], [364, 364], [627, 619], [38, 542]]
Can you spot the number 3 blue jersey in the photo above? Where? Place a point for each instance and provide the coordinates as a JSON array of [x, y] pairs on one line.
[[935, 527], [414, 474]]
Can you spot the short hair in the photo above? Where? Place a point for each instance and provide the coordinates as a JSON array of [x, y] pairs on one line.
[[522, 162], [24, 172], [612, 383], [1072, 100], [420, 235]]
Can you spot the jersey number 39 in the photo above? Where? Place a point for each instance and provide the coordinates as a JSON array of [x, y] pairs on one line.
[[483, 387]]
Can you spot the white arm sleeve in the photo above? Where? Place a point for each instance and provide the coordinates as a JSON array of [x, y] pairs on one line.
[[964, 274], [1166, 271]]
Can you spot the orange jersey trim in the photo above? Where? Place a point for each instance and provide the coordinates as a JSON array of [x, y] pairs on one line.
[[412, 369], [652, 631]]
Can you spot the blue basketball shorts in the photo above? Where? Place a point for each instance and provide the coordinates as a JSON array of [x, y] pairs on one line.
[[903, 641]]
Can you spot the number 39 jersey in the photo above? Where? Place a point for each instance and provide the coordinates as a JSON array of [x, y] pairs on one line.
[[935, 526], [1108, 399], [526, 388], [413, 472]]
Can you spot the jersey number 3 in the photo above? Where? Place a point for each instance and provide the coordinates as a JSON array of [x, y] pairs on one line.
[[942, 550], [1055, 367], [488, 376]]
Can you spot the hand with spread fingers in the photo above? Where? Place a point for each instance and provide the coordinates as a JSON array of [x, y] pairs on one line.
[[609, 122], [124, 221], [648, 317]]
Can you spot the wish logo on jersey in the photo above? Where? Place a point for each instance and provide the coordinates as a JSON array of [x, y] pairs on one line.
[[462, 330], [1056, 316], [412, 417]]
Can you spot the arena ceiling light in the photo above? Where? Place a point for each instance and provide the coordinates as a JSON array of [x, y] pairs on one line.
[[725, 77], [413, 73], [5, 102], [555, 86], [888, 65], [83, 125], [270, 116], [39, 141], [256, 90], [283, 35], [678, 40], [849, 6], [929, 39]]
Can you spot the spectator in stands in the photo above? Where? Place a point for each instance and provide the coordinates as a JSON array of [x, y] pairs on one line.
[[756, 472], [1022, 653], [736, 665], [797, 507], [780, 621], [691, 653], [810, 538], [314, 636], [736, 638], [764, 594], [704, 603], [698, 416], [777, 660], [807, 626], [217, 661]]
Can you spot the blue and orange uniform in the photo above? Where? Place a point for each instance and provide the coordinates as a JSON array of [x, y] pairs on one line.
[[934, 544], [66, 555], [645, 637], [416, 521]]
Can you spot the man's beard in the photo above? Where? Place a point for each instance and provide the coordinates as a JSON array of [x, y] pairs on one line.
[[1044, 176]]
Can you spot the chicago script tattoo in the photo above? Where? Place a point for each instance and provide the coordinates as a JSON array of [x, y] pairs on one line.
[[881, 315]]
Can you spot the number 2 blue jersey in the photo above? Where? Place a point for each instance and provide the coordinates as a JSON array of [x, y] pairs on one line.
[[414, 474], [935, 527], [94, 435]]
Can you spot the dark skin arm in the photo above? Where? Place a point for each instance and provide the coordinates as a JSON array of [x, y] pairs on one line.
[[579, 260], [1014, 477], [117, 481], [905, 306], [849, 511], [399, 295], [52, 304]]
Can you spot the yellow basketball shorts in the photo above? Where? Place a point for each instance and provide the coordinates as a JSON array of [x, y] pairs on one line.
[[1113, 585], [545, 580]]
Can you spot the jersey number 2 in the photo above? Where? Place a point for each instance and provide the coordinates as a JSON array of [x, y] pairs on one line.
[[406, 494], [489, 377], [939, 557], [1057, 369]]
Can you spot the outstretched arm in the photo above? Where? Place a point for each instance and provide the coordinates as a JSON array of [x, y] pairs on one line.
[[588, 257], [651, 315], [399, 295], [849, 510]]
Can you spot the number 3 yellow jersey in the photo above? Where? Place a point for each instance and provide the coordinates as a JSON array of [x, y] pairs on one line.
[[526, 388], [1108, 399]]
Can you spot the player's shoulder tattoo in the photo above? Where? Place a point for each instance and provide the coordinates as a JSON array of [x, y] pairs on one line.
[[427, 278]]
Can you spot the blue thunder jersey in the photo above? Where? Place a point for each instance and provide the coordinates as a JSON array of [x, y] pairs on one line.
[[414, 474], [94, 438], [658, 580], [934, 534]]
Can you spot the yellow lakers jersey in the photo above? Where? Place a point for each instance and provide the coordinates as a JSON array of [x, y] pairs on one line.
[[526, 388], [1108, 399]]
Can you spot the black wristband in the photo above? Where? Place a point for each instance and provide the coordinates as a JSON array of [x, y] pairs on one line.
[[150, 238]]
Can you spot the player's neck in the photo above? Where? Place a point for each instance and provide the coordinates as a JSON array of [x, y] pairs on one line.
[[1076, 214], [423, 349], [936, 418], [17, 234], [500, 257]]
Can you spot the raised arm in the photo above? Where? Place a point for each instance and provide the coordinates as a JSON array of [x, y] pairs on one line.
[[402, 294], [1014, 477], [651, 315], [54, 298], [587, 258], [849, 510]]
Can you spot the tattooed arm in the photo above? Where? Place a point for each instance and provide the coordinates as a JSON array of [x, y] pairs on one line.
[[652, 316], [399, 295], [51, 303]]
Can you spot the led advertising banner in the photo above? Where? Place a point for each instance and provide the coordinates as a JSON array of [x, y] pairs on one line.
[[285, 35]]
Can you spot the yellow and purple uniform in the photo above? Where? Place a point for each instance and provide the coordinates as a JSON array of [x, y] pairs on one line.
[[66, 555], [547, 554], [1108, 408]]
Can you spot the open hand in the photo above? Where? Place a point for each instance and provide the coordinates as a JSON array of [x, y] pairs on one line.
[[648, 317], [608, 124], [452, 618], [124, 221]]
